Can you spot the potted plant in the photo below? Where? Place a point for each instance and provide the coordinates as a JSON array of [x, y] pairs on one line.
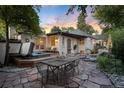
[[74, 48]]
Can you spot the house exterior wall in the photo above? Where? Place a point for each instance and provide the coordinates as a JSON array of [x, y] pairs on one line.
[[62, 48], [25, 37], [88, 44], [62, 45]]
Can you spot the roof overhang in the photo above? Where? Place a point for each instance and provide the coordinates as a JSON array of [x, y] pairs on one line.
[[67, 34]]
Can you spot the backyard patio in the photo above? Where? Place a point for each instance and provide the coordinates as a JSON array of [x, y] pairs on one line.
[[89, 77]]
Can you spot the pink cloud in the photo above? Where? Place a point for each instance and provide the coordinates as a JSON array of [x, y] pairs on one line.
[[62, 21]]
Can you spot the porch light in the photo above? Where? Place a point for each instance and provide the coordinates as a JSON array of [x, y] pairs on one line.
[[41, 41], [56, 40]]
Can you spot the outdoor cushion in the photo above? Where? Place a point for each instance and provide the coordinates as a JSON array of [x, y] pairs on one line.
[[27, 49]]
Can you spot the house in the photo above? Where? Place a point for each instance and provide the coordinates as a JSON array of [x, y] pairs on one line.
[[65, 42], [103, 40]]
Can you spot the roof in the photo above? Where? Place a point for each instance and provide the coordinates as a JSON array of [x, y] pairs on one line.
[[74, 33], [100, 37]]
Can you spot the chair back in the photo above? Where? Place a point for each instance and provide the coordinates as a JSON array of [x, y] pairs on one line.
[[27, 49], [42, 74], [76, 62]]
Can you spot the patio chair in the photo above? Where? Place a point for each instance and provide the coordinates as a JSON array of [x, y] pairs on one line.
[[42, 74], [44, 81], [69, 71], [76, 64], [27, 49], [71, 83]]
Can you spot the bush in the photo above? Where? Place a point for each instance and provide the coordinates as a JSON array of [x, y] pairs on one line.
[[110, 65], [118, 43], [102, 61]]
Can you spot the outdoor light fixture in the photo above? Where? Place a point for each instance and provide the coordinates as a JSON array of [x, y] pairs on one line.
[[56, 40], [41, 41]]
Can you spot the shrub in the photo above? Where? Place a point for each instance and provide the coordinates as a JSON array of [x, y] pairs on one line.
[[75, 47], [102, 61], [118, 43], [110, 64]]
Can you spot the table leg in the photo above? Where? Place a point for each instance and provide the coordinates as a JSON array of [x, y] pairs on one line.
[[47, 74], [57, 75]]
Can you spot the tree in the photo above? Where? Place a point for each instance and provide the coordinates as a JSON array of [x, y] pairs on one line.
[[81, 24], [89, 29], [67, 28], [79, 8], [23, 16], [113, 19], [118, 42], [110, 15], [55, 29], [2, 29]]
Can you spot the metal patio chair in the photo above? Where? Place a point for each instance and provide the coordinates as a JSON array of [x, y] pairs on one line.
[[76, 66], [42, 74]]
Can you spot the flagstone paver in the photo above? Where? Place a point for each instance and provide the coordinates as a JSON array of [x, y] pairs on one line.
[[89, 77], [89, 84], [24, 80]]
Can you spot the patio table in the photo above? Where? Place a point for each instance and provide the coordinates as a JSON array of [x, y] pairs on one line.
[[56, 66]]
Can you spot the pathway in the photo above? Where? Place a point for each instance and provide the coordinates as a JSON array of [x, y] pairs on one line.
[[90, 77]]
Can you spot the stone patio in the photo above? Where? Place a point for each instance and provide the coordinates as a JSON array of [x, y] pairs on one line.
[[89, 77]]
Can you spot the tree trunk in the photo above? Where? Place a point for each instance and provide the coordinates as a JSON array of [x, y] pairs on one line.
[[7, 45]]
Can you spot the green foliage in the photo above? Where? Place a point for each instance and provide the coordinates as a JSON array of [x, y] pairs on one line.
[[102, 61], [64, 29], [75, 47], [23, 16], [79, 8], [110, 65], [113, 18], [81, 24], [118, 43], [55, 29], [110, 15], [2, 29]]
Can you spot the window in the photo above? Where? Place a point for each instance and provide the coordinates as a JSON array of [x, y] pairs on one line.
[[82, 41]]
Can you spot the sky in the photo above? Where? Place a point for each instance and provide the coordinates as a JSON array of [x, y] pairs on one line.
[[55, 15]]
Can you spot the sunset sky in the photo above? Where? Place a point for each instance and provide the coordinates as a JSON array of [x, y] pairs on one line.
[[55, 15]]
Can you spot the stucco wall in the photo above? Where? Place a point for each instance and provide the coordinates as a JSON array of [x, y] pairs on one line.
[[80, 47], [24, 37], [89, 44], [62, 48]]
